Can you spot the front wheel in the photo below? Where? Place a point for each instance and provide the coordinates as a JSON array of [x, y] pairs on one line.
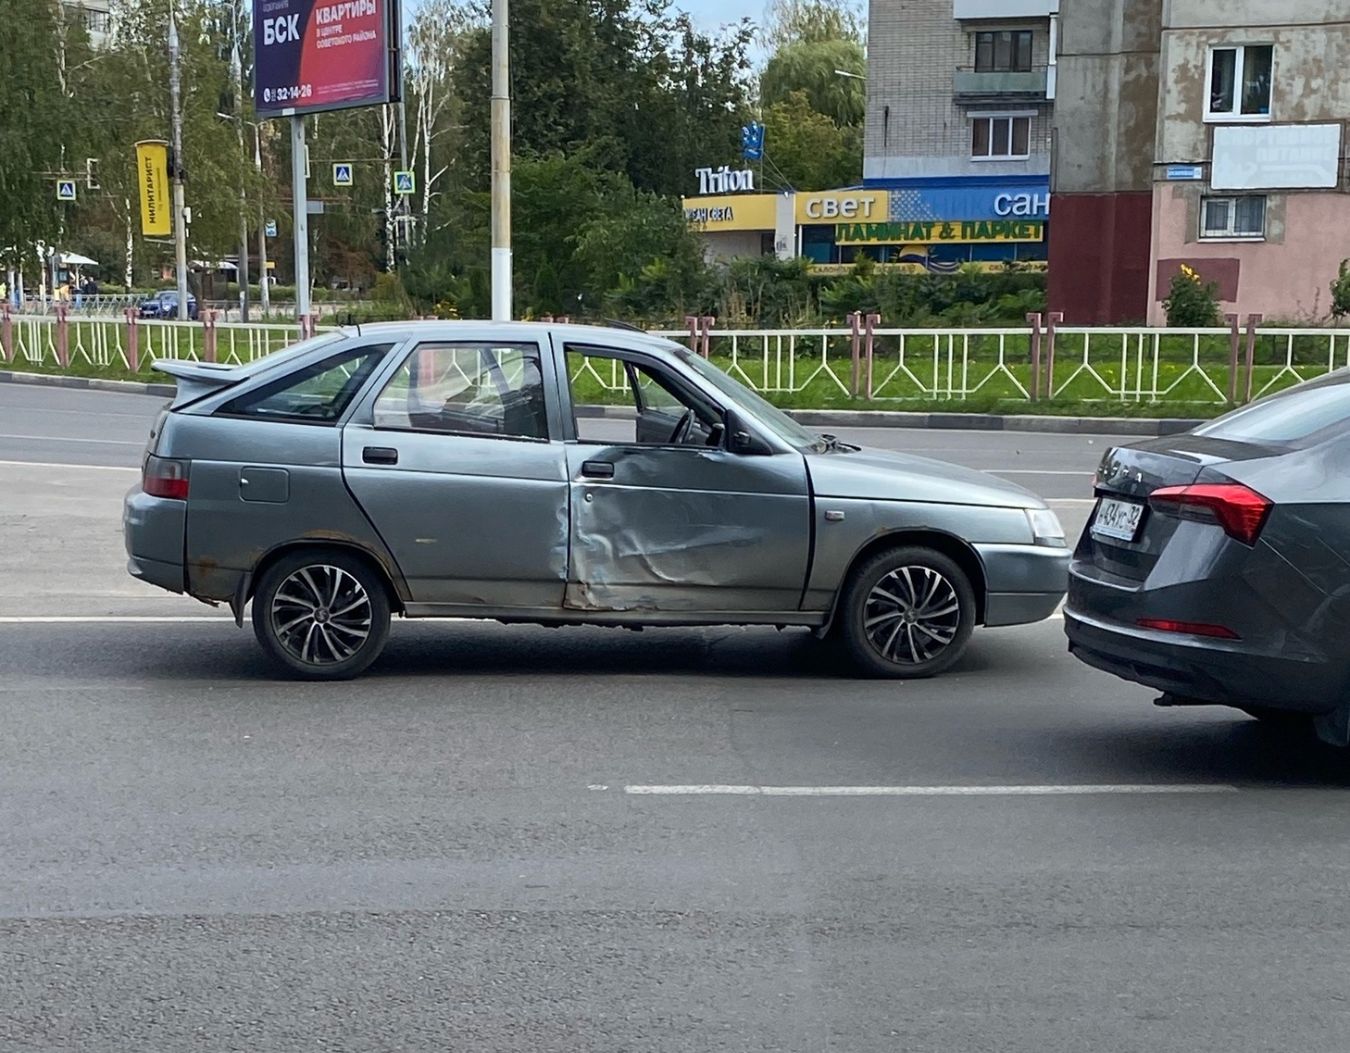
[[321, 615], [906, 613]]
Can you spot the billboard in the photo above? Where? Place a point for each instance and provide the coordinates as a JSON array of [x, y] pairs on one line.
[[1276, 157], [152, 171], [317, 55]]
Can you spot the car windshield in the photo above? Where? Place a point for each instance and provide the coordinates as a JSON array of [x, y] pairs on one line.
[[766, 412], [1291, 417]]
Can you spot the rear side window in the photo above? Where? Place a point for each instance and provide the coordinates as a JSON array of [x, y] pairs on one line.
[[1289, 418], [317, 394], [467, 389]]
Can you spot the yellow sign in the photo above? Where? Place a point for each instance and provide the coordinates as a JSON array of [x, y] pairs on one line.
[[930, 231], [732, 212], [843, 206], [152, 173]]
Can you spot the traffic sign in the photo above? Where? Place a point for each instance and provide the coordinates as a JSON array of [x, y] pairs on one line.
[[270, 229], [342, 173], [404, 183], [65, 190]]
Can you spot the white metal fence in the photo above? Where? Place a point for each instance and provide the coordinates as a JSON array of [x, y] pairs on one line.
[[809, 367]]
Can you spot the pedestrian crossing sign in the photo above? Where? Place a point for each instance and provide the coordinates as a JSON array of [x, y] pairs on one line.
[[403, 182], [342, 173], [65, 190]]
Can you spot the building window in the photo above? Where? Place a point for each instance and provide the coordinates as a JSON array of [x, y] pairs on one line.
[[1233, 217], [1239, 82], [1000, 138], [1006, 52], [96, 22]]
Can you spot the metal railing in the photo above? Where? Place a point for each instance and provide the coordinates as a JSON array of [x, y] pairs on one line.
[[864, 362]]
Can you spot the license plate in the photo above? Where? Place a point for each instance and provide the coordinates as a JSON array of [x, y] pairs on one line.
[[1117, 519]]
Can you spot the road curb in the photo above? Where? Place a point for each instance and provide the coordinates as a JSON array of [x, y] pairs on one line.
[[1145, 427], [1141, 426], [129, 387]]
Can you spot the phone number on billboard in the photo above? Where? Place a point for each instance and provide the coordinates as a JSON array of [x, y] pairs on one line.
[[291, 94]]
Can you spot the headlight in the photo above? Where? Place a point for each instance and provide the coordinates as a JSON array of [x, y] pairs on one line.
[[1045, 527]]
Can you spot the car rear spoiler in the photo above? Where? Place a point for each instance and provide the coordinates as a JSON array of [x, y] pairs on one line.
[[197, 379]]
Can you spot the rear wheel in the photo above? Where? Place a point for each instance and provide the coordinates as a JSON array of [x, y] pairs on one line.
[[321, 615], [906, 613]]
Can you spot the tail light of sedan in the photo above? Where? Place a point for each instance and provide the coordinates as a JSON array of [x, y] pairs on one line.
[[1238, 509], [165, 477]]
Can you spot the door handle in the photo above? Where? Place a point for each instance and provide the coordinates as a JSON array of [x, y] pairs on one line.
[[597, 470], [379, 455]]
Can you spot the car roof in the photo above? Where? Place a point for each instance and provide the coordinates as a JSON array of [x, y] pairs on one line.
[[566, 332]]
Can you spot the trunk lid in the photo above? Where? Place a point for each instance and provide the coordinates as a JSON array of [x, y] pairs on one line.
[[1126, 477]]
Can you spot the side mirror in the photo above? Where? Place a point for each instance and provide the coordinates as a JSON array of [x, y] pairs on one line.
[[741, 439]]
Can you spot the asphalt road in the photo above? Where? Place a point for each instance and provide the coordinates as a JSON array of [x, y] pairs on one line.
[[477, 846]]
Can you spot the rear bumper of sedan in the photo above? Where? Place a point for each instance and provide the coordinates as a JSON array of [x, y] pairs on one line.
[[154, 529], [1201, 669]]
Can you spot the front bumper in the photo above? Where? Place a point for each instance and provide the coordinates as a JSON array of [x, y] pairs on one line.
[[1023, 583], [1200, 669]]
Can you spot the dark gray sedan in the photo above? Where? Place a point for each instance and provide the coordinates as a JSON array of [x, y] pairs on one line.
[[449, 469], [1215, 565]]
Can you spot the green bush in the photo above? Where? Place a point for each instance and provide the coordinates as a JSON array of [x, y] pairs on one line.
[[1191, 302], [1340, 291]]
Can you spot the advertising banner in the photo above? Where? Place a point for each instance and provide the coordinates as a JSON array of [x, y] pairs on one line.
[[963, 231], [1011, 201], [152, 173], [732, 211], [317, 55]]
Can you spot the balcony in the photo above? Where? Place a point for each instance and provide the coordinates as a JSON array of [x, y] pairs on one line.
[[974, 9], [972, 87]]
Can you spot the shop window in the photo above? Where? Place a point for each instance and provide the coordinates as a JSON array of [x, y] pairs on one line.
[[1005, 52], [1233, 217], [1239, 83], [995, 137]]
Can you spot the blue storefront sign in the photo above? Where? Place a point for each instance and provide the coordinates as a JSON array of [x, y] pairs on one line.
[[932, 201]]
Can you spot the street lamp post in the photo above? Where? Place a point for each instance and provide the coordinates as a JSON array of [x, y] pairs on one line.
[[237, 67], [501, 166], [179, 212], [264, 296]]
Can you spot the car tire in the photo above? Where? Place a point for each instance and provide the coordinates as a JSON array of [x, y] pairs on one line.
[[321, 614], [906, 613], [1283, 718]]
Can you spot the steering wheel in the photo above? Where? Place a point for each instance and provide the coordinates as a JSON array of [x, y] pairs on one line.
[[681, 433]]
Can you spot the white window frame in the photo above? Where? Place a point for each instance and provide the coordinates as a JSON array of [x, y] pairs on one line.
[[1240, 59], [1009, 115], [1231, 233]]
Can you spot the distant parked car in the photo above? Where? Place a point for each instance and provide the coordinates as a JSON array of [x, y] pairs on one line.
[[442, 469], [164, 304], [1215, 565]]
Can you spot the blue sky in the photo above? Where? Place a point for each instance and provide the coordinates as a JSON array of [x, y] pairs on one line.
[[709, 14]]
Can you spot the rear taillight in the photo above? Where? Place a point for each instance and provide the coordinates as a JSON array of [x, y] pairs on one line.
[[163, 477], [1239, 509], [1167, 625]]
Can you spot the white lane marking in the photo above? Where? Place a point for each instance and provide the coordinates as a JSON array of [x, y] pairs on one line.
[[61, 438], [1037, 471], [111, 619], [1071, 500], [713, 790], [54, 464]]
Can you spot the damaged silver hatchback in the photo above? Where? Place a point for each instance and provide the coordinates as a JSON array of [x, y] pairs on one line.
[[433, 469]]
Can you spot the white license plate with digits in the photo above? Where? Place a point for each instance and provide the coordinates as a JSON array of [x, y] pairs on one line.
[[1116, 519]]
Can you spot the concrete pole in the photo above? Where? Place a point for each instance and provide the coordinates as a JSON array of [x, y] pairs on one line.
[[264, 293], [242, 273], [501, 166], [300, 205], [176, 116], [404, 200]]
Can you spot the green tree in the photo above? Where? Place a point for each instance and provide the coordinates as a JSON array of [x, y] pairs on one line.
[[808, 150], [811, 21], [811, 67]]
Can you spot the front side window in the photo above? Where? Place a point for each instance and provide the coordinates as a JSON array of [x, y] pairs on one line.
[[1239, 82], [660, 412], [1233, 217], [483, 389], [1003, 52], [318, 394], [1001, 138]]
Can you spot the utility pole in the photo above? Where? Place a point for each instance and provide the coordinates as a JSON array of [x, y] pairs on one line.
[[264, 293], [501, 166], [176, 114], [300, 221], [237, 68], [404, 200]]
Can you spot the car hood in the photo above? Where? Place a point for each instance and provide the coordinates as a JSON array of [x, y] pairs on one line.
[[886, 475]]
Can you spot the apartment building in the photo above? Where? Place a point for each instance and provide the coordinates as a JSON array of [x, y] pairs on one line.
[[1205, 135], [960, 97], [96, 17]]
